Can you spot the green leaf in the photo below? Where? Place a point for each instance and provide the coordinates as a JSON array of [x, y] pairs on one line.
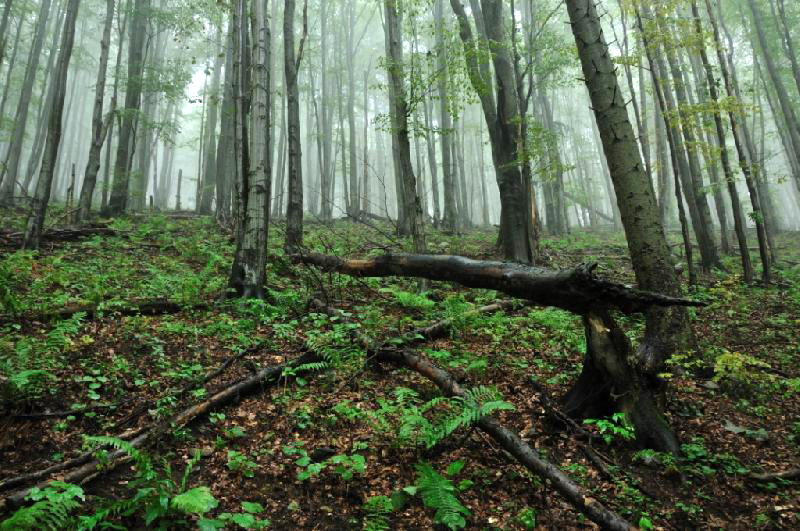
[[252, 507], [455, 467], [198, 500]]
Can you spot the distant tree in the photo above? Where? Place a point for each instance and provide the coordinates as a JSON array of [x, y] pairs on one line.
[[41, 198]]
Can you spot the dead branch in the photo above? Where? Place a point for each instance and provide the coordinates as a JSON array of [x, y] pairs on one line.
[[263, 377], [513, 444], [787, 475], [575, 290], [66, 234], [158, 306]]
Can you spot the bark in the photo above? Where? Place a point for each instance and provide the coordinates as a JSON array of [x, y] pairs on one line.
[[501, 112], [449, 215], [740, 148], [210, 162], [4, 30], [575, 290], [118, 201], [100, 124], [225, 160], [33, 230], [248, 270], [294, 210], [9, 74], [787, 108], [667, 329], [702, 224], [351, 107], [738, 217], [411, 221], [786, 35], [12, 162]]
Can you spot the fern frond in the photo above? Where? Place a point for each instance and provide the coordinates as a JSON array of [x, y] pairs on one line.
[[378, 509], [438, 493], [142, 460], [51, 510]]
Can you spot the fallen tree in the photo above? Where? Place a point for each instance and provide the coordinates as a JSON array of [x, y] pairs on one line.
[[608, 381]]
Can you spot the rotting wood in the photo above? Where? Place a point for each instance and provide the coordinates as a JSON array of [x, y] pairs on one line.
[[575, 290]]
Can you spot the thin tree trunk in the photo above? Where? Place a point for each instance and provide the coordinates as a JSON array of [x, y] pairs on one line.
[[12, 162], [210, 159], [33, 231], [294, 210], [118, 201], [100, 124]]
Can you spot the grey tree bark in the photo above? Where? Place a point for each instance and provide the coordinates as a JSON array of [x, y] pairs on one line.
[[118, 201], [11, 167], [667, 329], [33, 230], [100, 124], [294, 209], [210, 162]]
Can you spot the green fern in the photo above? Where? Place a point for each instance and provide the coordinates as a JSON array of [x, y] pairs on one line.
[[478, 403], [378, 509], [198, 500], [51, 510], [438, 493], [144, 466]]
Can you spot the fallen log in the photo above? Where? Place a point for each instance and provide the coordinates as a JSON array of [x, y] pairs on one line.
[[231, 393], [574, 290], [514, 445], [157, 306], [66, 234], [787, 475], [609, 381]]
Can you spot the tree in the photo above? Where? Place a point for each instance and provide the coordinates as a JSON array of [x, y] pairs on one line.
[[501, 112], [667, 328], [126, 145], [210, 162], [410, 217], [252, 147], [100, 124], [294, 209], [33, 230], [11, 167]]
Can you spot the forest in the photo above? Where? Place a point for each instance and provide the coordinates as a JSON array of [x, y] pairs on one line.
[[399, 264]]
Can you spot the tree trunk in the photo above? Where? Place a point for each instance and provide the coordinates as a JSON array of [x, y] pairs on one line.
[[210, 163], [294, 210], [667, 330], [225, 160], [411, 222], [502, 119], [33, 231], [450, 215], [118, 201], [248, 270], [12, 162], [738, 217], [100, 124]]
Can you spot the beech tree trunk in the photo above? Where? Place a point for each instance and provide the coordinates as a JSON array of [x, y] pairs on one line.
[[294, 210], [120, 185], [100, 124], [12, 162], [41, 198], [411, 221], [667, 328]]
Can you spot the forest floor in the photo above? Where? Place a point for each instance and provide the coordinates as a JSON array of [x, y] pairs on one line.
[[734, 401]]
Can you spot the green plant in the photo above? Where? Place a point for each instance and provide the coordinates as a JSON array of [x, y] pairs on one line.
[[617, 425], [377, 509], [344, 465], [246, 519], [527, 518], [51, 509], [239, 462], [439, 493]]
